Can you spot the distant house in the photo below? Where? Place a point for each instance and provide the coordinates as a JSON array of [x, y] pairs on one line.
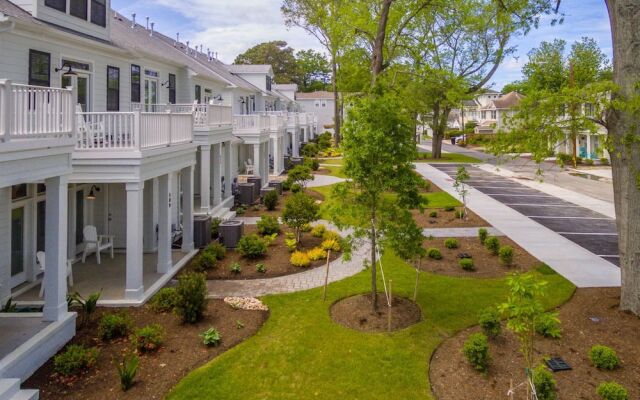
[[321, 103]]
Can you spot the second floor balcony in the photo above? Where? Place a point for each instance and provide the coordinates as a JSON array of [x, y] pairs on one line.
[[205, 116]]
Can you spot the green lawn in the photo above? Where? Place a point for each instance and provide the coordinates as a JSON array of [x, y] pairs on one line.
[[332, 161], [300, 353], [447, 158], [335, 170]]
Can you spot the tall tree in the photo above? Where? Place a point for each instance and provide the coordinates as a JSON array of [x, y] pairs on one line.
[[277, 54], [315, 72], [323, 20]]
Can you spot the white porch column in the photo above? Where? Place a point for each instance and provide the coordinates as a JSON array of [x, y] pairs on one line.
[[276, 156], [5, 245], [295, 144], [55, 247], [588, 145], [187, 211], [164, 226], [205, 178], [71, 221], [265, 162], [228, 170], [215, 173], [257, 157], [134, 287], [150, 215]]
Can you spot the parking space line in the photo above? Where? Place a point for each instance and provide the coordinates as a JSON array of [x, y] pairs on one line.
[[587, 233], [553, 217]]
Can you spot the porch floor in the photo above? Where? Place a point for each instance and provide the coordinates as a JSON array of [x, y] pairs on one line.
[[17, 330], [109, 276]]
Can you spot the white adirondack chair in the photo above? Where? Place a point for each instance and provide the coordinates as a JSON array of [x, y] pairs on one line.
[[90, 133], [40, 260], [94, 243], [248, 166], [198, 116]]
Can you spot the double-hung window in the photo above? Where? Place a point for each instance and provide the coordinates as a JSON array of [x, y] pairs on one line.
[[172, 89], [135, 83], [99, 12], [39, 68]]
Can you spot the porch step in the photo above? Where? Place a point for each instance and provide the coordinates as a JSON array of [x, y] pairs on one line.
[[10, 390]]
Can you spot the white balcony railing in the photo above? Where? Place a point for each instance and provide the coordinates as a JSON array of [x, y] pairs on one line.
[[28, 112], [292, 119], [302, 118], [132, 130], [252, 123], [204, 115], [276, 121]]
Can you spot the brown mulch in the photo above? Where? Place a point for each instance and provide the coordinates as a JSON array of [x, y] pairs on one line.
[[452, 378], [447, 219], [486, 264], [355, 312], [276, 260], [158, 372], [258, 210]]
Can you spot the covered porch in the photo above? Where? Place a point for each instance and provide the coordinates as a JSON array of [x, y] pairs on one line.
[[253, 152]]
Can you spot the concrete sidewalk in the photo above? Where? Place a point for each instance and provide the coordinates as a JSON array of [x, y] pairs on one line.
[[580, 266], [458, 232]]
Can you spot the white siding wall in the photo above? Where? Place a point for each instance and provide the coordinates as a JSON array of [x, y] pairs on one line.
[[325, 114]]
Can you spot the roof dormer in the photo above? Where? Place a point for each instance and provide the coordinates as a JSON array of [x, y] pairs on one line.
[[88, 17]]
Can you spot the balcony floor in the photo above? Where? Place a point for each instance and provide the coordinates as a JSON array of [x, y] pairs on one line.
[[109, 276], [17, 330]]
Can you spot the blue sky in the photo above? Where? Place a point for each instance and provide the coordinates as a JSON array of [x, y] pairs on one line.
[[229, 27]]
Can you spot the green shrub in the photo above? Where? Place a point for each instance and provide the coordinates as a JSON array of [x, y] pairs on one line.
[[164, 300], [451, 243], [506, 255], [205, 262], [310, 150], [612, 391], [75, 359], [467, 264], [286, 185], [215, 227], [235, 268], [449, 208], [211, 337], [312, 163], [476, 350], [252, 246], [127, 371], [296, 188], [433, 214], [318, 231], [261, 268], [148, 338], [482, 235], [113, 326], [603, 357], [604, 161], [192, 297], [240, 210], [489, 320], [588, 161], [300, 259], [544, 383], [268, 225], [459, 214], [492, 244], [216, 249], [548, 325], [270, 200], [434, 253]]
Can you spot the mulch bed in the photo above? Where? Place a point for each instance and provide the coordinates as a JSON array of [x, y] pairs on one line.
[[276, 260], [452, 377], [258, 210], [486, 264], [158, 372], [447, 219], [355, 312]]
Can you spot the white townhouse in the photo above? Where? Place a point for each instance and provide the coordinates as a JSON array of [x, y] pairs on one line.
[[112, 136], [321, 103]]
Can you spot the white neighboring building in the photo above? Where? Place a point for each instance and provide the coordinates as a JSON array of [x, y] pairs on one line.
[[321, 103]]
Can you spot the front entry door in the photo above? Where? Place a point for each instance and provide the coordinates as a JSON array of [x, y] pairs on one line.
[[117, 216], [82, 88], [150, 93], [18, 274]]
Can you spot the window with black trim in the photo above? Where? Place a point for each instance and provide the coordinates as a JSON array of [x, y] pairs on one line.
[[39, 68], [113, 88], [198, 94], [99, 12], [78, 8], [172, 89], [60, 5], [135, 83], [268, 82]]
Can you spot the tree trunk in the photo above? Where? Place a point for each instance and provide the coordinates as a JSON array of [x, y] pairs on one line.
[[624, 130], [374, 282], [377, 56], [336, 100]]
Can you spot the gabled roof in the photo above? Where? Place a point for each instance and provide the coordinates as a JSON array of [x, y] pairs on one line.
[[250, 68], [320, 94], [509, 100]]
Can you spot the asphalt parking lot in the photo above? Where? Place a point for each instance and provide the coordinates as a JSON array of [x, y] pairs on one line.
[[589, 229]]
